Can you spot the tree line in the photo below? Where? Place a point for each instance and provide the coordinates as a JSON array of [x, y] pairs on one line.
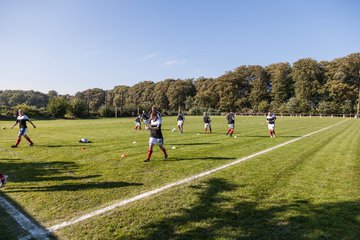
[[307, 86]]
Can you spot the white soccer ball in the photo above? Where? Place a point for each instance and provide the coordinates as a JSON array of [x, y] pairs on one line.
[[3, 127], [134, 142], [173, 147], [173, 130]]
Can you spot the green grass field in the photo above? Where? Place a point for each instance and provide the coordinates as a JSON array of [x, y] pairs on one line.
[[308, 189]]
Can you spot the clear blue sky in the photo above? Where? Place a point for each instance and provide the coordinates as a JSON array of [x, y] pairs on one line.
[[73, 45]]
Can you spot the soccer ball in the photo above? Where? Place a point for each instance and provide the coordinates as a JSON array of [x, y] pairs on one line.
[[173, 130], [4, 127], [173, 147]]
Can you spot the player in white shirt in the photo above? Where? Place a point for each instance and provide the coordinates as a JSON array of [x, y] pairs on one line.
[[270, 119], [21, 120], [207, 122], [180, 121], [230, 117], [156, 136]]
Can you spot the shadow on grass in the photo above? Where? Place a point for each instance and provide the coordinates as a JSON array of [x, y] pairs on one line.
[[74, 187], [266, 136], [215, 216], [192, 144], [63, 145], [198, 158], [11, 229], [42, 171], [9, 159]]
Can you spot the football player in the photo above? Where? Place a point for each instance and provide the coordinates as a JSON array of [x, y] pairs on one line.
[[230, 117], [180, 121], [270, 119], [207, 122], [21, 120], [156, 137]]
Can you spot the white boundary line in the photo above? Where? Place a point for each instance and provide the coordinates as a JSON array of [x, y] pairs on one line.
[[186, 180], [38, 232], [34, 230]]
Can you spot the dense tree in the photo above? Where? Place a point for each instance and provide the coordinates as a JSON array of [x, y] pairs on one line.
[[94, 98], [232, 90], [119, 95], [53, 94], [282, 85], [18, 97], [260, 87], [140, 96], [349, 72], [159, 95], [206, 96], [77, 107], [308, 77], [307, 86], [58, 106], [177, 93]]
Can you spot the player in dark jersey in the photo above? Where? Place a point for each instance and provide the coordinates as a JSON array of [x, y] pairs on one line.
[[3, 180], [156, 137], [146, 119], [137, 123], [21, 120], [230, 117], [158, 113], [270, 118], [180, 121], [207, 122]]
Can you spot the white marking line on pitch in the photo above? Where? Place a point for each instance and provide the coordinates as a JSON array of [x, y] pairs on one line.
[[186, 180], [35, 231]]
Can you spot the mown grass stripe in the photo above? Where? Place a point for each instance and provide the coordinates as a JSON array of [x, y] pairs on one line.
[[180, 182]]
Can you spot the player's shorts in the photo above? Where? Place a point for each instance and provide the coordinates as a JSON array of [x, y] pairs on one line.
[[231, 125], [207, 125], [137, 124], [271, 126], [156, 141], [180, 122], [22, 132]]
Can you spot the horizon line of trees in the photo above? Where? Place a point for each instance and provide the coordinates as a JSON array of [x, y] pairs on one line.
[[306, 86]]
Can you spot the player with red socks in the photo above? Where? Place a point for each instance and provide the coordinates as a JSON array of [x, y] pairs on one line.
[[230, 117], [21, 120], [156, 137]]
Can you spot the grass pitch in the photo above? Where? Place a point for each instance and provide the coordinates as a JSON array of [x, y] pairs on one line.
[[305, 190]]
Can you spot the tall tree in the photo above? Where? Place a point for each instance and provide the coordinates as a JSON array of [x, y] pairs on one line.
[[260, 86], [206, 96], [349, 72], [308, 76], [58, 106], [178, 91], [94, 97], [119, 96], [233, 90], [140, 96], [282, 85], [159, 95], [77, 107]]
